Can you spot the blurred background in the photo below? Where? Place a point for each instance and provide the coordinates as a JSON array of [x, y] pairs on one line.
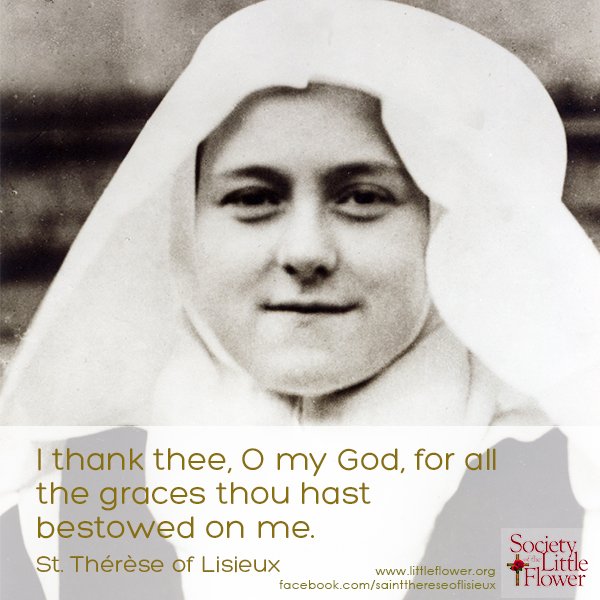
[[79, 79]]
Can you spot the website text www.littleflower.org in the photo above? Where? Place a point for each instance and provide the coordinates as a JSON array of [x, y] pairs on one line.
[[419, 578]]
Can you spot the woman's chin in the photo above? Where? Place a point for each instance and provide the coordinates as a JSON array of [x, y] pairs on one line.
[[306, 389], [310, 378]]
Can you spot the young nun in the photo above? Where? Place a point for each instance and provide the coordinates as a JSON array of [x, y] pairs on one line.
[[348, 214]]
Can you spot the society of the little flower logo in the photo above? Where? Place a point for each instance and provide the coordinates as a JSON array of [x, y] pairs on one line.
[[544, 559]]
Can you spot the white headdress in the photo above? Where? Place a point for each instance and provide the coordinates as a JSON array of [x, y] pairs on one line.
[[510, 271]]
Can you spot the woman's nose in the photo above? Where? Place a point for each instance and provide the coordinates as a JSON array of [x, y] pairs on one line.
[[307, 249]]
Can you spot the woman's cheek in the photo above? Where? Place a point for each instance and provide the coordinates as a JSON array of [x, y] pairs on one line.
[[383, 259]]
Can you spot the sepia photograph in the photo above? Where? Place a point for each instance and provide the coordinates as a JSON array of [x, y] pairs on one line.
[[346, 214], [306, 213]]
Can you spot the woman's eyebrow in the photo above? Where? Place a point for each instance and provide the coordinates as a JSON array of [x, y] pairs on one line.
[[356, 169], [267, 174]]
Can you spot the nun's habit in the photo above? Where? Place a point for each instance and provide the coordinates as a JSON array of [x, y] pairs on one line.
[[514, 279]]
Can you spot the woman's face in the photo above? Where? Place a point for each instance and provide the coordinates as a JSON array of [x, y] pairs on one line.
[[310, 241]]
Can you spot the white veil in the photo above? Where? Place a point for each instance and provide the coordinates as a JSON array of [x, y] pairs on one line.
[[510, 271]]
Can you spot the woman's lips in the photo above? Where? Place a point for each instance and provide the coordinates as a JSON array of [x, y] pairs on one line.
[[310, 308]]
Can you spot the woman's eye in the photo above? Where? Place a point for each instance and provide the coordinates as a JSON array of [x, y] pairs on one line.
[[253, 204], [365, 202]]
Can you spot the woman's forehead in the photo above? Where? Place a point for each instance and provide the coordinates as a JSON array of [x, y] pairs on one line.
[[319, 124]]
